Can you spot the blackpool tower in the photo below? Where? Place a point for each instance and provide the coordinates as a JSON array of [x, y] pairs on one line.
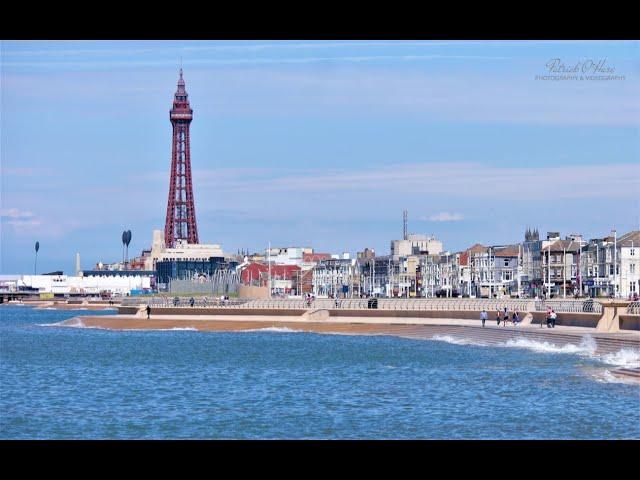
[[181, 211]]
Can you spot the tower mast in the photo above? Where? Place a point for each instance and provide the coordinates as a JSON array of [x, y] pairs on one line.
[[181, 212]]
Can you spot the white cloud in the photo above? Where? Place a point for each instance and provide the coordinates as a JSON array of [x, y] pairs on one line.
[[445, 217], [15, 214], [249, 61], [464, 179], [481, 89], [20, 220]]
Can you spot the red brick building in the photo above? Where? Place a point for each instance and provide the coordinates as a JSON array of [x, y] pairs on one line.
[[283, 277]]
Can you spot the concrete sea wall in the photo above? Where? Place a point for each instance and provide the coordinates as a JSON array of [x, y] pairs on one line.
[[574, 319]]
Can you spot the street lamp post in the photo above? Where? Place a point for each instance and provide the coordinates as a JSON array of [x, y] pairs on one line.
[[489, 274], [549, 271], [615, 263], [269, 264], [564, 272], [35, 265]]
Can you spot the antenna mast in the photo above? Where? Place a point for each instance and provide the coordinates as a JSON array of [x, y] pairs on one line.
[[404, 224]]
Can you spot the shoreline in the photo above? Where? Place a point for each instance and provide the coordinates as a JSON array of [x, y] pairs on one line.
[[354, 325], [461, 332]]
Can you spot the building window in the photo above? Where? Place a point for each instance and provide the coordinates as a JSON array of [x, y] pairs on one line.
[[632, 268]]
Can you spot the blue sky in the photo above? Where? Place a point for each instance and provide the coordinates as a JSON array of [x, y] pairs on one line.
[[313, 143]]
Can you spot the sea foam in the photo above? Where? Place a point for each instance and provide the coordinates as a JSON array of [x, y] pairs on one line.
[[608, 377], [455, 340], [273, 329], [72, 322], [586, 347], [626, 357]]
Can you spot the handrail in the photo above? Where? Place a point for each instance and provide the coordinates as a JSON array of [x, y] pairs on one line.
[[410, 304], [633, 308], [569, 306]]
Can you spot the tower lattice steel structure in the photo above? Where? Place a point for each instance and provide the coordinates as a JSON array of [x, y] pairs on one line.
[[181, 211]]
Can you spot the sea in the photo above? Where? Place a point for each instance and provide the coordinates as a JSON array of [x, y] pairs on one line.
[[61, 382]]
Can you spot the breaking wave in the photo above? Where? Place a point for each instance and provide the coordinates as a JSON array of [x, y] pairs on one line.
[[455, 340], [586, 347], [626, 357], [273, 329], [172, 329], [608, 377], [72, 322]]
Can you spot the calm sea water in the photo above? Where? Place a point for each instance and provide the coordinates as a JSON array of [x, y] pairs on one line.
[[61, 382]]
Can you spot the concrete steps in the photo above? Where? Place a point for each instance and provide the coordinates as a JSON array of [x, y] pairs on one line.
[[633, 373]]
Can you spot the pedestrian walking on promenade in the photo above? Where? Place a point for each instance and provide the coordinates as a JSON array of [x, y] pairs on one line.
[[483, 316], [505, 317], [548, 318], [192, 301], [498, 317], [148, 312], [554, 316]]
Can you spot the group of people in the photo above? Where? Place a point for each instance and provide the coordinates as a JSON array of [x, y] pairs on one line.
[[551, 318], [309, 299], [502, 316], [205, 301]]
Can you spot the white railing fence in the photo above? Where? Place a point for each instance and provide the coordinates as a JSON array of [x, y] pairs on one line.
[[633, 308], [569, 306], [456, 304]]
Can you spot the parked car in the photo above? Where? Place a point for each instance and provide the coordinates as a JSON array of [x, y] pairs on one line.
[[445, 293]]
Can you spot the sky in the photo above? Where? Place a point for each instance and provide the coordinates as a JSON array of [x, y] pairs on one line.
[[315, 143]]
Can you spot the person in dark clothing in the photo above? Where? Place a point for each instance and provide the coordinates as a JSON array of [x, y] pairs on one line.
[[553, 318], [498, 317], [192, 301], [148, 312]]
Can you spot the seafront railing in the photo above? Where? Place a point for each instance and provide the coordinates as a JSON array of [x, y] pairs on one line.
[[569, 306], [633, 308], [411, 304]]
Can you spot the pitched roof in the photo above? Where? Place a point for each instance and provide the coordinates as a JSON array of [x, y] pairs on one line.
[[508, 251], [564, 245], [477, 248], [629, 239], [315, 257]]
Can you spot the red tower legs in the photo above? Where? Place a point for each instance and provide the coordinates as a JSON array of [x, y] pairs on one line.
[[181, 212]]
